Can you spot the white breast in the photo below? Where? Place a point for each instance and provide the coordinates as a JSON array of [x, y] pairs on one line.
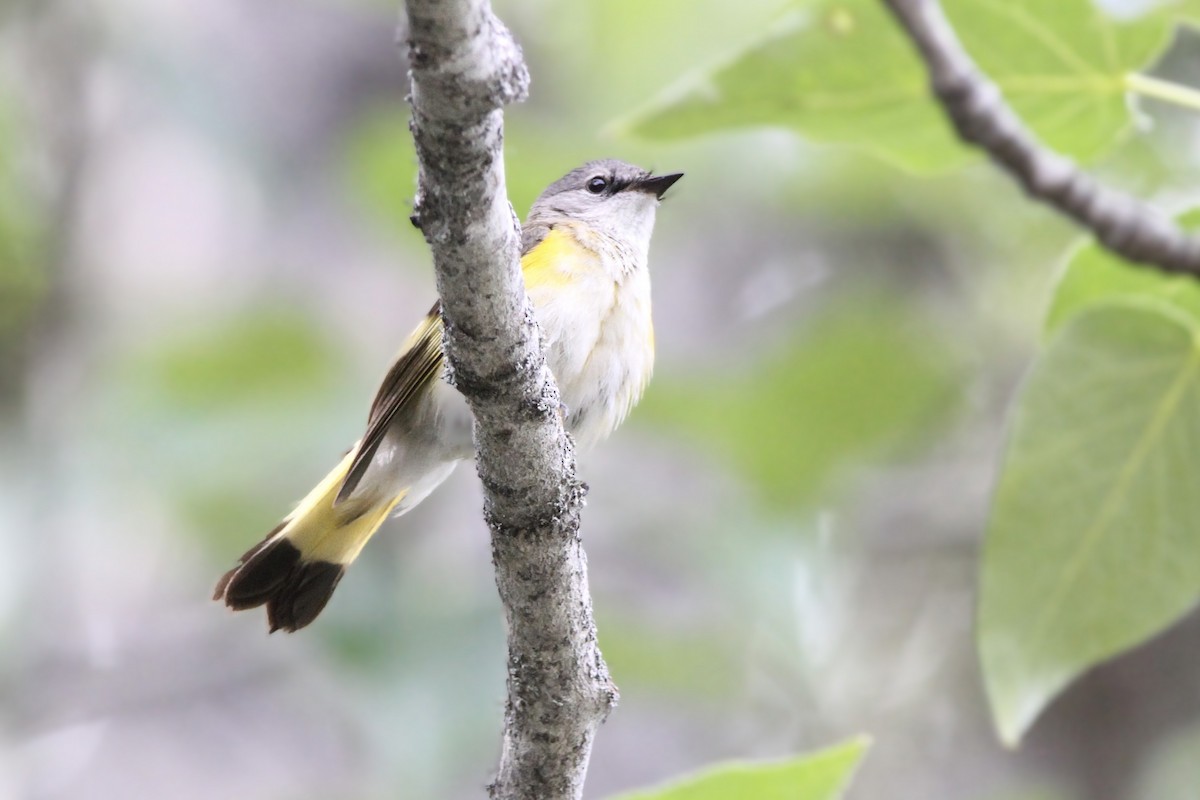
[[599, 340]]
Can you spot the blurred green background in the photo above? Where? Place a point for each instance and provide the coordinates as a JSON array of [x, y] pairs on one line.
[[206, 265]]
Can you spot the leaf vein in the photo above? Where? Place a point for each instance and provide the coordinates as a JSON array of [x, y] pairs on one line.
[[1108, 509]]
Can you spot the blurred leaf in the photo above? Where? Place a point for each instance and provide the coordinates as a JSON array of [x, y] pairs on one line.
[[1091, 546], [640, 45], [860, 380], [536, 155], [382, 168], [823, 775], [234, 399], [23, 279], [1037, 793], [842, 72], [228, 514], [260, 357], [1094, 275], [1172, 772], [1189, 11], [674, 663]]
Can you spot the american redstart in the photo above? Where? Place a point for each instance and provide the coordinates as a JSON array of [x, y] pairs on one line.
[[583, 256]]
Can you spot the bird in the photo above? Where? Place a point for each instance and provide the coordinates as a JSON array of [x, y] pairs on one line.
[[584, 251]]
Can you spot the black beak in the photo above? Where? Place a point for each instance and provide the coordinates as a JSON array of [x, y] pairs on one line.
[[657, 184]]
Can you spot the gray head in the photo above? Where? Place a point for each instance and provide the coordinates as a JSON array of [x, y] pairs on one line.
[[608, 196]]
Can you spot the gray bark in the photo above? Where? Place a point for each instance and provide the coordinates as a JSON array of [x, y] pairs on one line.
[[1120, 222], [464, 67]]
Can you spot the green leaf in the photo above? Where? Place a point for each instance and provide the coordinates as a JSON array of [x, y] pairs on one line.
[[1092, 543], [1062, 65], [842, 72], [862, 379], [823, 775], [1094, 275]]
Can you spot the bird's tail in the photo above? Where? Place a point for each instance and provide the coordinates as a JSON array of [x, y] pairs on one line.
[[296, 568]]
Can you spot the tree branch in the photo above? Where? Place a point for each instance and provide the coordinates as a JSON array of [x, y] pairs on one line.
[[464, 67], [1120, 222]]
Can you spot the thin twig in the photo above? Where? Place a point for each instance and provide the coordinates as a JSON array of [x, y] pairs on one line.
[[465, 67], [1120, 222]]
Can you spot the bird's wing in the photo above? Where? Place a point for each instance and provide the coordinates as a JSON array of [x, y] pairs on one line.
[[418, 365]]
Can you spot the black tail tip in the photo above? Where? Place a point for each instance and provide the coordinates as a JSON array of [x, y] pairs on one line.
[[273, 574]]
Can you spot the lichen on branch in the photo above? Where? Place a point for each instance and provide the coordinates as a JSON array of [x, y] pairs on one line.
[[465, 66]]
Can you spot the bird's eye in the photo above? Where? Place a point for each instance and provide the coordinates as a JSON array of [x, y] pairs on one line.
[[597, 185]]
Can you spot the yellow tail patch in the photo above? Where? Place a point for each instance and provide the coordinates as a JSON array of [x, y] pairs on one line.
[[323, 532]]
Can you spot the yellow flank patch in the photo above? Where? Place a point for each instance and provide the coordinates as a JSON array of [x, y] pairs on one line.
[[548, 264]]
